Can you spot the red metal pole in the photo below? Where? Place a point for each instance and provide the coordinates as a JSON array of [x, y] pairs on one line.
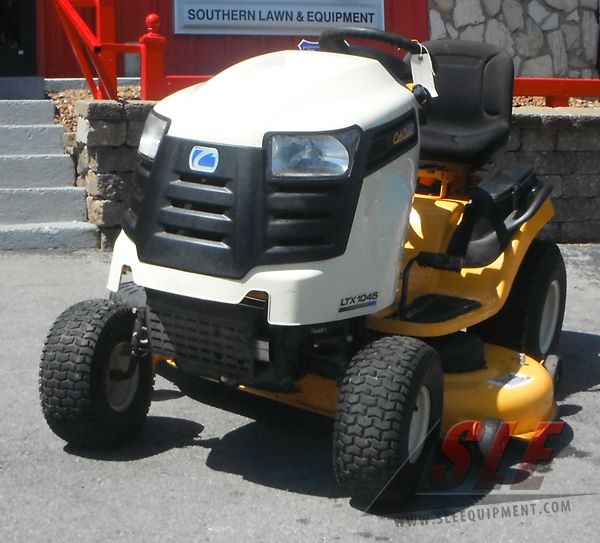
[[80, 54], [106, 31], [152, 60]]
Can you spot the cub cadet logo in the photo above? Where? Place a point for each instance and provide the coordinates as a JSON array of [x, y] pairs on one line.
[[204, 159], [404, 133], [357, 302]]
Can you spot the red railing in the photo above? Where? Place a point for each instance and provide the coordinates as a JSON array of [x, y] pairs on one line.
[[557, 91], [97, 53]]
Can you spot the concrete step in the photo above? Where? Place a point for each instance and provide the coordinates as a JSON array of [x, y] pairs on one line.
[[69, 236], [31, 140], [25, 112], [22, 88], [36, 205], [33, 171]]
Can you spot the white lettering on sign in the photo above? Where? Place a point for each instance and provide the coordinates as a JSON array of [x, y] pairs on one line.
[[285, 17]]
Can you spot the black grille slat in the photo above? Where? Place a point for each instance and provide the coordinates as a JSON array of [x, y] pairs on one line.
[[299, 229], [197, 221], [299, 203], [208, 196], [202, 179]]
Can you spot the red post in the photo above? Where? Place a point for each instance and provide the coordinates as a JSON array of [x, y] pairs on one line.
[[152, 60], [106, 32]]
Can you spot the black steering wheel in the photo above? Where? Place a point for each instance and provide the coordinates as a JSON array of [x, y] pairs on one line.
[[334, 41]]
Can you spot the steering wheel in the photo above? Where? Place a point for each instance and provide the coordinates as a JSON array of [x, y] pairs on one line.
[[333, 41]]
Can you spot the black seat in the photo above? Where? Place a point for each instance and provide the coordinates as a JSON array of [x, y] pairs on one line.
[[471, 117]]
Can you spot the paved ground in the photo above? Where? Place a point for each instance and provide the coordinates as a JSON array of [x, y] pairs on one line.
[[238, 467]]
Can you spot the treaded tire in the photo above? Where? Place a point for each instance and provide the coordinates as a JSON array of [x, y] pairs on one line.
[[130, 294], [518, 324], [377, 400], [74, 376]]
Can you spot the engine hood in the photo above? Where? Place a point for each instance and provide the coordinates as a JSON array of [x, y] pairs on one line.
[[287, 91]]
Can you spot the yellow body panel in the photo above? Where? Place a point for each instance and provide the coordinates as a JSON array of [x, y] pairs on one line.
[[432, 223]]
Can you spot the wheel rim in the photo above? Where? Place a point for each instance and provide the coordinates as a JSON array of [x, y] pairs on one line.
[[120, 393], [549, 317], [419, 424]]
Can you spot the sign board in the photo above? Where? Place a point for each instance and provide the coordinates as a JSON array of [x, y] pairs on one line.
[[280, 18]]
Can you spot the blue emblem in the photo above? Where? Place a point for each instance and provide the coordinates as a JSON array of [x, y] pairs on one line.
[[306, 45], [204, 159]]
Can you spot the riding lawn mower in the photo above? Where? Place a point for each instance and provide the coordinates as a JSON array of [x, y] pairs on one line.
[[322, 229]]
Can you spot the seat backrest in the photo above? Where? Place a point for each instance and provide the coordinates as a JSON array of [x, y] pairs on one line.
[[474, 82]]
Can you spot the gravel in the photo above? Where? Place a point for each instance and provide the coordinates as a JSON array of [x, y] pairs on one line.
[[65, 103]]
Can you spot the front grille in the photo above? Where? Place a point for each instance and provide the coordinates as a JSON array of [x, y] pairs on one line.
[[199, 208], [303, 217], [227, 223], [204, 338]]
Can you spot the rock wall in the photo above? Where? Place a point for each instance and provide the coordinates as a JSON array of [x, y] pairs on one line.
[[106, 141], [563, 145], [545, 37]]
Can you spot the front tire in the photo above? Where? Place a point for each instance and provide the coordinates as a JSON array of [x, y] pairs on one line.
[[93, 394], [388, 420]]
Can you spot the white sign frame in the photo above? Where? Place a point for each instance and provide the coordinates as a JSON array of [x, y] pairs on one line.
[[279, 18]]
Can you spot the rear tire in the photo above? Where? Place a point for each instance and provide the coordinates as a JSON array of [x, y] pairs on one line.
[[87, 398], [531, 319], [388, 420]]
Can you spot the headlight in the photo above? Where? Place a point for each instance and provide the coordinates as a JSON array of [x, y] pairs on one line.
[[154, 130], [313, 155]]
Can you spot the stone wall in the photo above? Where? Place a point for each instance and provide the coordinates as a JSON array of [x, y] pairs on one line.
[[545, 37], [562, 143], [105, 148]]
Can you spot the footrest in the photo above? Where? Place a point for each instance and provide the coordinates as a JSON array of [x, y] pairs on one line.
[[437, 308]]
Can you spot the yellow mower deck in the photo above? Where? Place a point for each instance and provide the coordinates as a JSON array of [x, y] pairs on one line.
[[513, 387]]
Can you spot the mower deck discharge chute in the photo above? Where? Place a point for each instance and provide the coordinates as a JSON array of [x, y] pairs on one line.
[[315, 228]]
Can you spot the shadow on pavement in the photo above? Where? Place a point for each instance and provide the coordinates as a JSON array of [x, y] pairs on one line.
[[159, 434], [290, 449], [580, 354]]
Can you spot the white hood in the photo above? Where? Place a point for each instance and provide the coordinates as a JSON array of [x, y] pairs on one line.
[[287, 91]]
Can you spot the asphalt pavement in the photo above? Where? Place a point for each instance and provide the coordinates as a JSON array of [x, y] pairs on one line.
[[223, 466]]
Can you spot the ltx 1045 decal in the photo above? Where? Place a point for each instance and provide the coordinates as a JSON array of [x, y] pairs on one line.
[[357, 302]]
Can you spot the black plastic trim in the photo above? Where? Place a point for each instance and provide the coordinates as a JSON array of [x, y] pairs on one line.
[[382, 149], [226, 223]]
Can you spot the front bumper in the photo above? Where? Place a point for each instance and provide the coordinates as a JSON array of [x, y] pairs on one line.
[[297, 294]]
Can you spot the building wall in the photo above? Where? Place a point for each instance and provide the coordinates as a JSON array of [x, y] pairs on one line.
[[546, 37], [191, 54]]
